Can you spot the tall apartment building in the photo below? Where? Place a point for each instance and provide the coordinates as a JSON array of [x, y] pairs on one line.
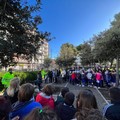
[[34, 64], [43, 52]]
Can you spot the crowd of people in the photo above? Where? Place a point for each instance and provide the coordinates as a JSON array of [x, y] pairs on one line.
[[20, 103], [43, 106], [81, 77], [24, 103]]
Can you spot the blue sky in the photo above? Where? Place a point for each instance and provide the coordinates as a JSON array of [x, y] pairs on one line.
[[75, 21]]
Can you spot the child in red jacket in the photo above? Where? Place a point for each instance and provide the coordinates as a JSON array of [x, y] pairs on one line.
[[45, 97], [73, 76]]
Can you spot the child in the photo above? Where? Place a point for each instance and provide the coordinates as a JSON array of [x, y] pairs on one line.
[[112, 111], [60, 99], [42, 114], [66, 110]]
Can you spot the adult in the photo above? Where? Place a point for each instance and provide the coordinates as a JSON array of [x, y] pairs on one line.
[[63, 75], [39, 80], [43, 73], [7, 77], [50, 76], [113, 78], [107, 77]]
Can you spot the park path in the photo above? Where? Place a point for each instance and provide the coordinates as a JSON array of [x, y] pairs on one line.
[[101, 101]]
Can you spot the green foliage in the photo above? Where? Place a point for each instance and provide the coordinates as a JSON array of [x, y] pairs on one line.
[[21, 75], [85, 53], [19, 35], [31, 76], [24, 77], [59, 61], [107, 45], [67, 55], [79, 47], [103, 47], [99, 47], [47, 62]]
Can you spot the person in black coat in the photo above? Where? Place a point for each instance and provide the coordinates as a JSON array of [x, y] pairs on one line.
[[112, 111], [39, 80], [50, 76], [66, 110], [60, 99]]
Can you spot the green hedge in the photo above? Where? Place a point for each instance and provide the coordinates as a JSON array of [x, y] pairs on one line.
[[24, 77]]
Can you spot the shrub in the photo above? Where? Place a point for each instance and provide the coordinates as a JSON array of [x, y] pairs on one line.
[[24, 77]]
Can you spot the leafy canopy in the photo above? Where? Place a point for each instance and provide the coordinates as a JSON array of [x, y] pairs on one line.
[[67, 55], [19, 35]]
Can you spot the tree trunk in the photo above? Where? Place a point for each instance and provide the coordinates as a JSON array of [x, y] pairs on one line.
[[117, 71]]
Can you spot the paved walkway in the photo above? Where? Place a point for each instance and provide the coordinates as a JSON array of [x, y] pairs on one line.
[[75, 89]]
